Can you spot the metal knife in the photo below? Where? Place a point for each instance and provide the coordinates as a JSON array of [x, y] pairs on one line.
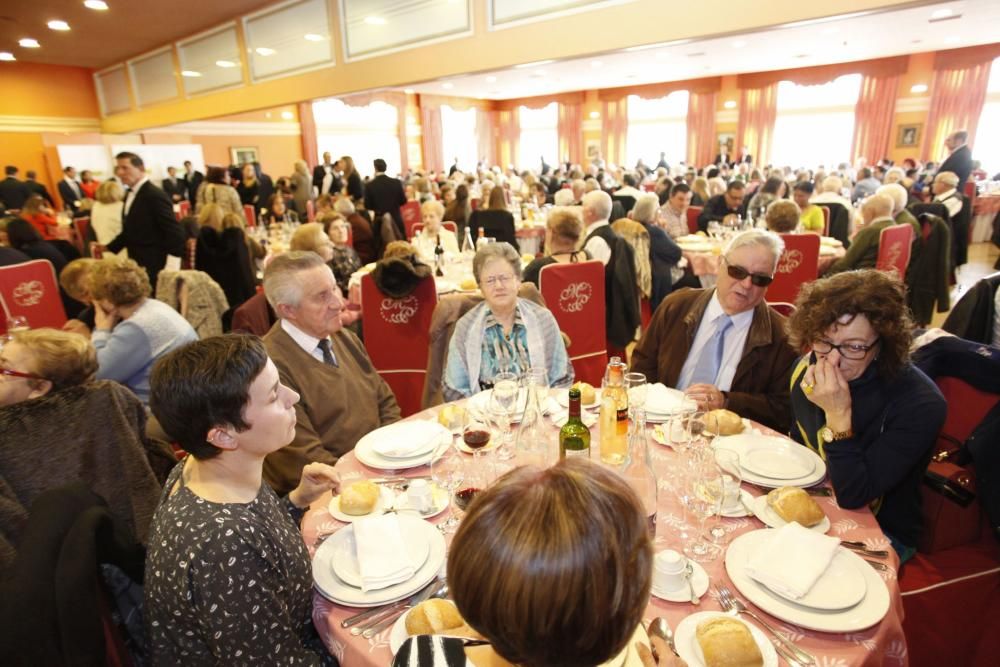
[[378, 611]]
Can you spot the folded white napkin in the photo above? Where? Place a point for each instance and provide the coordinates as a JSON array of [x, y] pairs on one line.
[[407, 438], [663, 400], [791, 561], [383, 558]]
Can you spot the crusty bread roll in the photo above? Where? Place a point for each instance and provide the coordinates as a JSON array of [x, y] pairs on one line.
[[723, 422], [359, 498], [433, 617], [726, 642], [587, 394], [794, 504]]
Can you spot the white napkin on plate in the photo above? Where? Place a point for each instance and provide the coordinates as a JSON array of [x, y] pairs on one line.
[[383, 559], [407, 438], [663, 400], [791, 561]]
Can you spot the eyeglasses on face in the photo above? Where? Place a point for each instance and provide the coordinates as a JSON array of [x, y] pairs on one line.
[[739, 273], [493, 281], [19, 374], [853, 351]]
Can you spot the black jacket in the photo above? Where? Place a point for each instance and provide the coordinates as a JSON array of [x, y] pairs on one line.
[[13, 193], [384, 194], [226, 259], [69, 196], [972, 316], [960, 164], [495, 223], [37, 188], [193, 181], [621, 313], [178, 188], [927, 273], [150, 231], [335, 184], [663, 256], [715, 208]]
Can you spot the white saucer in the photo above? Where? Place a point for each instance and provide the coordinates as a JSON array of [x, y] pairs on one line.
[[699, 579], [772, 520], [345, 551], [385, 500], [440, 496], [689, 649]]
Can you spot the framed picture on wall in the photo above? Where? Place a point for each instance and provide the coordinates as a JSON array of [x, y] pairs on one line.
[[728, 141], [909, 136], [242, 154]]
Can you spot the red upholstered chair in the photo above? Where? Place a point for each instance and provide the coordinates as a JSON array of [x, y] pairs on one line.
[[183, 209], [798, 265], [826, 220], [30, 290], [411, 216], [81, 228], [783, 307], [397, 338], [250, 215], [575, 295], [693, 212], [894, 244]]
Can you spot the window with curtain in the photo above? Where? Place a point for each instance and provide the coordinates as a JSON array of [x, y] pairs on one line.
[[986, 148], [458, 138], [655, 126], [363, 133], [815, 124], [539, 136]]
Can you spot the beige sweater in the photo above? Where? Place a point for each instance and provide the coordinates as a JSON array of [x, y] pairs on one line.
[[337, 405]]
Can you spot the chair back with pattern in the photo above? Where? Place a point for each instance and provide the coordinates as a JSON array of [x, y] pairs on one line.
[[799, 264], [250, 215], [30, 290], [410, 211], [692, 213], [397, 337], [574, 293], [894, 245]]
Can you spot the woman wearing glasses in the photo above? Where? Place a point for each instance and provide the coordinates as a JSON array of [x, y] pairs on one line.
[[36, 362], [504, 333], [859, 402]]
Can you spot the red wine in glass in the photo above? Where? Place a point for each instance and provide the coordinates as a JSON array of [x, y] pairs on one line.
[[465, 496], [476, 438]]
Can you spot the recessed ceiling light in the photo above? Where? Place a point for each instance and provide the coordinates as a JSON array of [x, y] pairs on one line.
[[29, 43], [491, 79], [941, 13], [954, 39], [374, 20], [596, 63], [537, 63], [595, 114], [739, 44], [832, 30], [447, 85], [409, 91], [660, 55], [190, 73], [99, 5], [538, 72], [696, 54], [287, 115], [919, 88], [313, 37], [7, 56], [225, 64], [58, 25], [915, 41], [729, 104], [264, 51]]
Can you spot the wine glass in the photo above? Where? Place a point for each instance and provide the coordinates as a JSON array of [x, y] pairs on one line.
[[473, 482], [504, 400], [728, 463], [704, 500], [476, 435], [448, 472], [635, 385]]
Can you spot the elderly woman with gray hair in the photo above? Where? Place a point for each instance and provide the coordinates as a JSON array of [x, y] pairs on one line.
[[664, 254], [504, 333]]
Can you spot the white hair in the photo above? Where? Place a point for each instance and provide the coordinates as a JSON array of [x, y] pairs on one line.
[[598, 203], [281, 277], [833, 184], [895, 192], [645, 208], [880, 205], [757, 237], [563, 197]]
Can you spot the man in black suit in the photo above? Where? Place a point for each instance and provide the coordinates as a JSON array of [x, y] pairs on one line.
[[70, 192], [150, 231], [325, 178], [192, 179], [13, 193], [384, 194], [722, 206], [37, 188], [175, 188], [959, 161]]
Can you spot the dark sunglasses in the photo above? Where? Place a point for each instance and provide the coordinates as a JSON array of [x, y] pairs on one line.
[[739, 273]]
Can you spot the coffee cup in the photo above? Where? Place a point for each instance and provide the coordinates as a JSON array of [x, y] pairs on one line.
[[668, 570], [419, 495]]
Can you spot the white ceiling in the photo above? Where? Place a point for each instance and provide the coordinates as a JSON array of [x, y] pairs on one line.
[[819, 42]]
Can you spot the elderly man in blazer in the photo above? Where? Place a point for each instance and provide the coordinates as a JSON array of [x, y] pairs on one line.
[[150, 230]]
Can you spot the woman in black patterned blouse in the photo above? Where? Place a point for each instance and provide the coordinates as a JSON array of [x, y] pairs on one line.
[[228, 577]]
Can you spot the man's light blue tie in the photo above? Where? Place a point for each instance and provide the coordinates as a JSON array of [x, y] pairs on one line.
[[707, 368]]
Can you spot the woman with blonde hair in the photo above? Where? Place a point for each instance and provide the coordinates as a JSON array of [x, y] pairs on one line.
[[131, 329], [699, 191], [353, 187], [433, 233], [39, 361], [222, 252], [74, 281], [313, 238], [107, 212], [563, 231], [302, 188]]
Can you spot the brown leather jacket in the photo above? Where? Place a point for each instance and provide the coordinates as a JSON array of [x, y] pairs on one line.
[[760, 386]]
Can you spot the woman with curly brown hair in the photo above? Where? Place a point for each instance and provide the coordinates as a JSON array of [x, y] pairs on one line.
[[859, 402]]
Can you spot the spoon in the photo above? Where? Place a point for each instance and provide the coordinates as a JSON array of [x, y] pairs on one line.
[[659, 627], [689, 576]]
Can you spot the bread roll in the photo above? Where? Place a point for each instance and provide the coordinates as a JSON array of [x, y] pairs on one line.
[[794, 504], [723, 422], [468, 284], [433, 617], [587, 394], [359, 498], [726, 642]]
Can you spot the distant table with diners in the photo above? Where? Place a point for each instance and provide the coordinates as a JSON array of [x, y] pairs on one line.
[[984, 211], [864, 630]]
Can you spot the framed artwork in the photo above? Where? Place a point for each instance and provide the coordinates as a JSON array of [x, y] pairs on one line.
[[242, 154], [728, 141], [909, 136]]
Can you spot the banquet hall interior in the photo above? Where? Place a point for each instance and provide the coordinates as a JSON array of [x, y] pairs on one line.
[[172, 170]]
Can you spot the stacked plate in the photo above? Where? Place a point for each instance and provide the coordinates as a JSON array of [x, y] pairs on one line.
[[337, 573], [405, 444], [849, 596], [774, 461], [663, 402]]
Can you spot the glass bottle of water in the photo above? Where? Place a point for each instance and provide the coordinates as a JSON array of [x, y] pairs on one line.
[[638, 470]]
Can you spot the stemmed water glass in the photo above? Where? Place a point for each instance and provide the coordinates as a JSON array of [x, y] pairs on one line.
[[704, 500], [728, 463], [635, 385], [448, 472], [504, 400]]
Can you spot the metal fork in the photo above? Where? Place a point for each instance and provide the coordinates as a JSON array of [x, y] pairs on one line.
[[370, 632], [734, 607]]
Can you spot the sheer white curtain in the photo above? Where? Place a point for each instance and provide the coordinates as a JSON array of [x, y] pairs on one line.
[[986, 143], [539, 136], [815, 124], [655, 126], [459, 139], [363, 133]]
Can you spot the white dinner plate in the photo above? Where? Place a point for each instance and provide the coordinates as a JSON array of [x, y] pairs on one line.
[[685, 638], [868, 612], [385, 500], [699, 579], [369, 457], [778, 459], [345, 551], [740, 443], [562, 398], [420, 437], [771, 519], [333, 588], [840, 587]]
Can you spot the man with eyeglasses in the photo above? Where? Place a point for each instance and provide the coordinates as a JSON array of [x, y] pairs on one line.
[[725, 347]]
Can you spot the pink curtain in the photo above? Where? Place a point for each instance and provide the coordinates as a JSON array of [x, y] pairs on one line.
[[485, 126], [701, 128], [430, 122], [758, 111], [957, 98], [508, 136], [614, 130], [307, 134], [873, 117], [571, 132]]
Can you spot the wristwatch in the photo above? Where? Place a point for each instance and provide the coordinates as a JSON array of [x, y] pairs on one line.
[[829, 435]]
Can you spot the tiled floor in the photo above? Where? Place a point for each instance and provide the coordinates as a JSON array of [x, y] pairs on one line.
[[982, 257]]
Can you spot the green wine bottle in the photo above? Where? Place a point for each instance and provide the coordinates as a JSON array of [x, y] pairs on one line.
[[574, 436]]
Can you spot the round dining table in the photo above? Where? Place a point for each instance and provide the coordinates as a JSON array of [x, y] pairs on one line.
[[881, 644]]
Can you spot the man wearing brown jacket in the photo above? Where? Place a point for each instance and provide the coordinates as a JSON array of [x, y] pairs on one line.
[[726, 348]]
